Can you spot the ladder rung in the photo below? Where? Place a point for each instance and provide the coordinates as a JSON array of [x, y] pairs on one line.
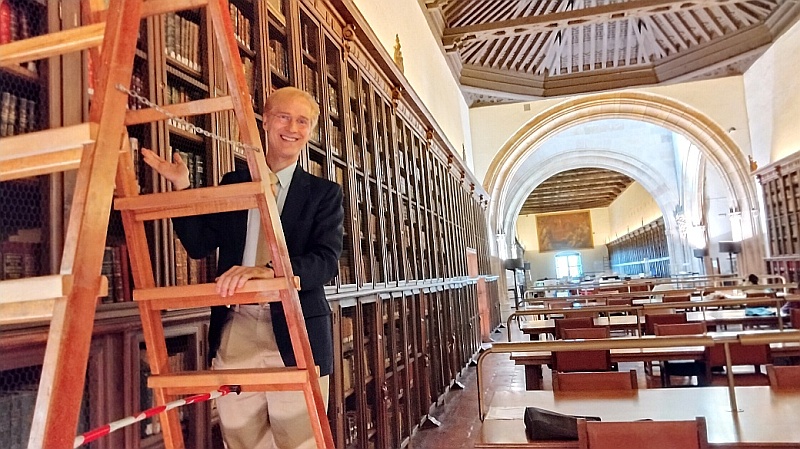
[[191, 201], [262, 379], [205, 295], [32, 299], [52, 44], [43, 152], [197, 107]]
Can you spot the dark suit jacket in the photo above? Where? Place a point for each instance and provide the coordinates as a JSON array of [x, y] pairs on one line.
[[312, 220]]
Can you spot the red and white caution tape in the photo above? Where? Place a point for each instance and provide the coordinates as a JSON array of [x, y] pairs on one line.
[[102, 431]]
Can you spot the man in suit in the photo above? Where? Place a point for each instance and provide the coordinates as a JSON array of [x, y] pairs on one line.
[[256, 336]]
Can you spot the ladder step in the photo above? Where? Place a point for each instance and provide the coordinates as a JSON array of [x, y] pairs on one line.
[[205, 295], [197, 107], [43, 152], [262, 379], [52, 44], [191, 201], [31, 299]]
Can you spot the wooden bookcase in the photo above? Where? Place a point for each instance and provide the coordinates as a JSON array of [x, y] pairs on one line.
[[780, 184], [404, 309]]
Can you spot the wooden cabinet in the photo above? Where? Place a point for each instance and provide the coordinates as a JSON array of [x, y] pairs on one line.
[[115, 383], [405, 310], [780, 183]]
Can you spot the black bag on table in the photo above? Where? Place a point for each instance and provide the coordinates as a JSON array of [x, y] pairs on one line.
[[541, 424]]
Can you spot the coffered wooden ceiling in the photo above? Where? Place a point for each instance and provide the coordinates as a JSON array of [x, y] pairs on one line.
[[583, 188], [512, 50]]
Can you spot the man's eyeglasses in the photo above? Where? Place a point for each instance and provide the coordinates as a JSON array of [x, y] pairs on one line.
[[286, 119]]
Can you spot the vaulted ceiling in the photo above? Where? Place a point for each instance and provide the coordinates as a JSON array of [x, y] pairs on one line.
[[512, 50], [504, 51]]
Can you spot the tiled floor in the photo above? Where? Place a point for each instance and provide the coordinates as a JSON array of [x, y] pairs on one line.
[[459, 411]]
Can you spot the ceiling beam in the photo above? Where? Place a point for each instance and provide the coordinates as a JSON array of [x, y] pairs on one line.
[[455, 36]]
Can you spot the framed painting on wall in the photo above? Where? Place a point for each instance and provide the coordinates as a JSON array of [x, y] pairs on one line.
[[558, 232]]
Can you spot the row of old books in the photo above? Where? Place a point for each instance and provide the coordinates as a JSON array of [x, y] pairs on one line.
[[278, 58], [187, 270], [310, 81], [315, 168], [182, 41], [20, 254], [17, 115], [17, 21], [116, 269], [336, 139], [196, 165], [178, 362], [242, 27], [333, 100], [176, 95]]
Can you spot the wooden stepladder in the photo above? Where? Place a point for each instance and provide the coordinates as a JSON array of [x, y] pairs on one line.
[[102, 148]]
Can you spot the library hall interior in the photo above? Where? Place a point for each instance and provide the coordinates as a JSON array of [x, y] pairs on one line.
[[408, 224]]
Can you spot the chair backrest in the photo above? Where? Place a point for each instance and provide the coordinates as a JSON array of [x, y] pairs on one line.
[[651, 319], [677, 298], [643, 434], [619, 301], [566, 323], [794, 316], [784, 377], [740, 354], [595, 381], [760, 294], [589, 360], [694, 328], [586, 332]]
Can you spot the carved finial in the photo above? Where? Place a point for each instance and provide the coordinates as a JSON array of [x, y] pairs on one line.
[[397, 93], [398, 54], [753, 163], [348, 36]]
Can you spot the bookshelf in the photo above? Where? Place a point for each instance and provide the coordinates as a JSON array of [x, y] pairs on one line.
[[780, 184], [24, 224], [404, 310]]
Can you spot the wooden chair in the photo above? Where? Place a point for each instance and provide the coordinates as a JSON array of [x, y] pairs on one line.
[[589, 360], [683, 368], [567, 323], [595, 381], [780, 377], [694, 328], [677, 298], [794, 316], [651, 319], [619, 301], [755, 355], [643, 434], [586, 333], [761, 294]]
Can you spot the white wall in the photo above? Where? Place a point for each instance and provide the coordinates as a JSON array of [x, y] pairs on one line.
[[634, 208], [424, 63], [772, 93]]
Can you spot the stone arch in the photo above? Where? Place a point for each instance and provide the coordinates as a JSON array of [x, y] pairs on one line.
[[719, 150]]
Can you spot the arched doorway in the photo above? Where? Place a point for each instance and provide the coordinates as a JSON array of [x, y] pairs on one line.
[[717, 148]]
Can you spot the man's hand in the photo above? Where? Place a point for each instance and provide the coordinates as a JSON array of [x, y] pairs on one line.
[[236, 276], [175, 172]]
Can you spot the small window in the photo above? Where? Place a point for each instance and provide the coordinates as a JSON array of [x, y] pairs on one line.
[[569, 265]]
